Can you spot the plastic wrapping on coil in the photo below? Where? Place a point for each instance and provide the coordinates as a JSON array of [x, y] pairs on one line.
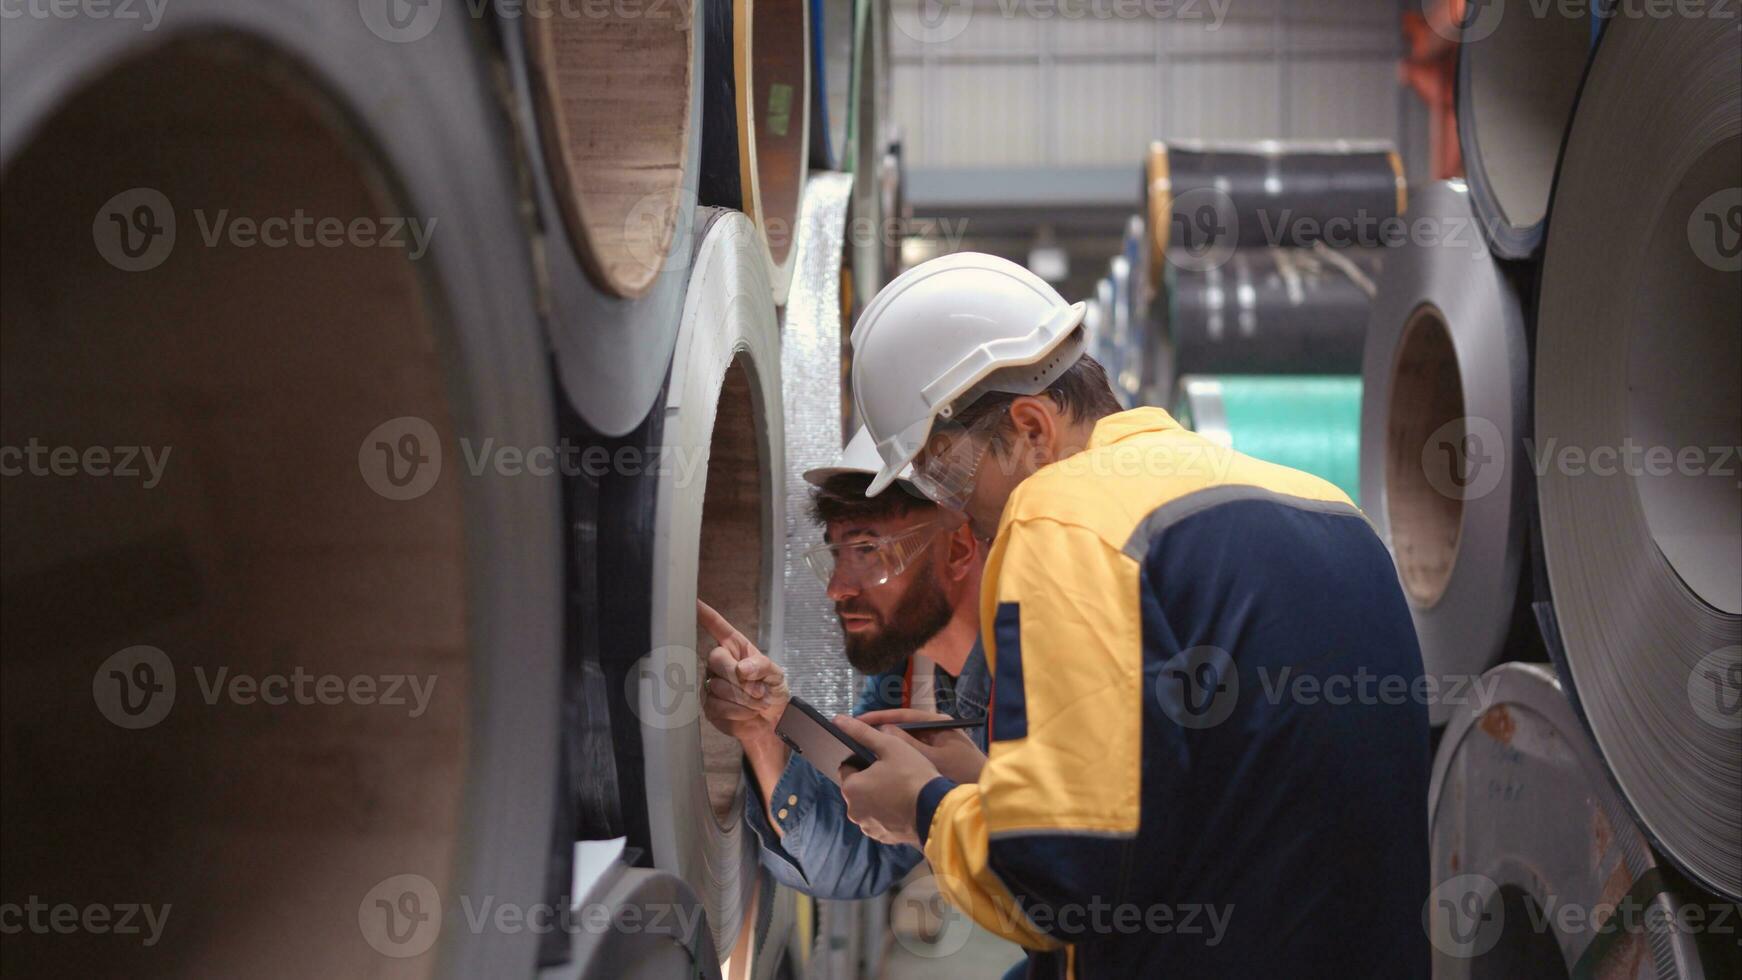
[[815, 653], [1305, 422], [1273, 311], [1445, 473], [1525, 827], [1210, 198], [1638, 406]]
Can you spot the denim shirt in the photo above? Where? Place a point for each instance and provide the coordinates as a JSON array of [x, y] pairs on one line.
[[824, 854]]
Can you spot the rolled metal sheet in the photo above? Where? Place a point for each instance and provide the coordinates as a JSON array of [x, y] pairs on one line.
[[720, 509], [1445, 473], [1203, 200], [1305, 422], [1638, 401], [756, 120], [1122, 372], [831, 82], [1109, 346], [614, 185], [1139, 356], [1516, 81], [867, 145], [1538, 867], [315, 518], [810, 378], [1273, 311]]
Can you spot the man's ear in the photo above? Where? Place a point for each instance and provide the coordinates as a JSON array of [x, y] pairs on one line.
[[960, 551], [1036, 421]]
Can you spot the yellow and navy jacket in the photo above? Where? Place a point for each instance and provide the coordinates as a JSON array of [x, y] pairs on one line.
[[1208, 750]]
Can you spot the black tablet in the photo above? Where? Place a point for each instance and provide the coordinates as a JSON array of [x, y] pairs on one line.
[[817, 739]]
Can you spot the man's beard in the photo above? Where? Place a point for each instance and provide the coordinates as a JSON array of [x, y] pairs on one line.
[[921, 613]]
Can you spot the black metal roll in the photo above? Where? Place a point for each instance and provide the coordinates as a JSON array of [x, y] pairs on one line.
[[1273, 311], [1209, 199]]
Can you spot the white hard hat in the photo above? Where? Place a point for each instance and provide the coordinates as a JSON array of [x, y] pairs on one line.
[[932, 339], [859, 457]]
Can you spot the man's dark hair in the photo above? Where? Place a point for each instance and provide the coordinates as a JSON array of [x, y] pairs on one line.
[[842, 498], [1082, 393]]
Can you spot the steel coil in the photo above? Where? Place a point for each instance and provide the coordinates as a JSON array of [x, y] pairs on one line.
[[1308, 423], [868, 143], [1518, 74], [714, 535], [831, 82], [1445, 475], [1273, 311], [1638, 391], [756, 120], [1538, 868], [1205, 200], [614, 183], [211, 677]]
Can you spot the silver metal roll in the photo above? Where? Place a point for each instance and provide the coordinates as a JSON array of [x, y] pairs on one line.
[[1538, 867], [1518, 75], [1638, 393], [719, 511], [314, 519], [1445, 474], [613, 189], [810, 361]]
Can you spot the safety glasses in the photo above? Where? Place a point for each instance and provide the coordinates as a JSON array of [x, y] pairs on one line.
[[871, 559], [946, 471]]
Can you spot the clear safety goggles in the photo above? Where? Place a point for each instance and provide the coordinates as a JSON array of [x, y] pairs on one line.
[[946, 470], [871, 559]]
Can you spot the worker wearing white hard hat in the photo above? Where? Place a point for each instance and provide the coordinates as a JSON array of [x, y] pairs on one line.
[[904, 575], [1148, 597]]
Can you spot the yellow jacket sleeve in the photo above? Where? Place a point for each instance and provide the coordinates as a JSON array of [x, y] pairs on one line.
[[1047, 830]]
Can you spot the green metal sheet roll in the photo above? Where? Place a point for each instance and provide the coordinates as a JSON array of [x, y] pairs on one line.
[[1308, 422]]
